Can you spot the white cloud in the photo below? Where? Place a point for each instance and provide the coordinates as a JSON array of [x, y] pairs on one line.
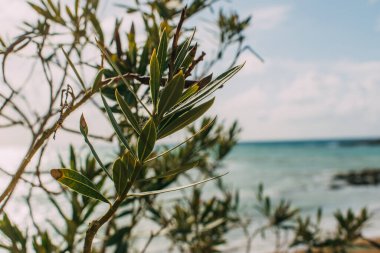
[[306, 100], [267, 18]]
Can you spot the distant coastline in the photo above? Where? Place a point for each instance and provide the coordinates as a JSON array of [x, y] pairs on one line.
[[348, 142]]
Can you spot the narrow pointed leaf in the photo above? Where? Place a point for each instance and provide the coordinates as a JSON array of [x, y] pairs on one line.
[[188, 93], [171, 172], [41, 11], [132, 46], [166, 120], [127, 112], [185, 119], [98, 80], [162, 51], [155, 78], [120, 176], [189, 58], [142, 194], [73, 163], [205, 81], [53, 7], [186, 140], [210, 88], [130, 163], [69, 13], [115, 126], [185, 48], [171, 93], [147, 140], [144, 59], [97, 27], [78, 183]]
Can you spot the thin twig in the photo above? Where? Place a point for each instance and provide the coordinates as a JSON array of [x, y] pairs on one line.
[[37, 144]]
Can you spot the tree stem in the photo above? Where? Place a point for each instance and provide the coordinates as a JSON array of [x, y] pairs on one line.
[[96, 224]]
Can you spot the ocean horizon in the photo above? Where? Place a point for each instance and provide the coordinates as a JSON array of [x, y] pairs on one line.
[[368, 140]]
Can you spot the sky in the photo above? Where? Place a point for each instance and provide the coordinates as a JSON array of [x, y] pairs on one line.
[[320, 78]]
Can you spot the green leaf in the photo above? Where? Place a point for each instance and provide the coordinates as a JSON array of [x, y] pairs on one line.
[[188, 93], [130, 162], [115, 126], [73, 163], [155, 78], [13, 233], [171, 172], [144, 59], [210, 88], [41, 11], [147, 140], [185, 119], [95, 23], [122, 171], [53, 7], [120, 176], [2, 43], [186, 140], [98, 80], [162, 51], [167, 119], [142, 194], [189, 58], [185, 48], [70, 14], [127, 112], [132, 46], [171, 93], [78, 183]]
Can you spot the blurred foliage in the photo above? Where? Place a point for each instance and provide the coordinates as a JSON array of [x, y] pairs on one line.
[[307, 232], [16, 239], [199, 225], [347, 234]]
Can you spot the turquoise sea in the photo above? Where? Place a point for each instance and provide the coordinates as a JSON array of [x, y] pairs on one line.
[[299, 171], [302, 172]]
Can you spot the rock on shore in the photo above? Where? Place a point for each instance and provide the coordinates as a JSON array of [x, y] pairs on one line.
[[368, 176]]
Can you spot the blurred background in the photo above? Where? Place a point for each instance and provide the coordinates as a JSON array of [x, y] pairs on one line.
[[307, 101]]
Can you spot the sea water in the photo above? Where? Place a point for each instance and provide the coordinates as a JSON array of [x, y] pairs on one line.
[[301, 172]]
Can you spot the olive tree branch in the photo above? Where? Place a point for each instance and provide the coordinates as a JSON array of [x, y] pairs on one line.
[[37, 143]]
